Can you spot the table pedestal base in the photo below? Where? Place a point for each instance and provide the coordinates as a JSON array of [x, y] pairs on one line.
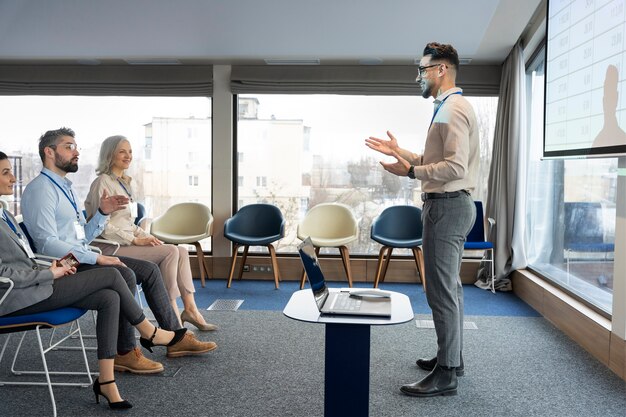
[[347, 367]]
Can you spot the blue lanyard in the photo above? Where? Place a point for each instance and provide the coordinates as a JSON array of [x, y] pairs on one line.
[[439, 106], [71, 200], [122, 184], [10, 223]]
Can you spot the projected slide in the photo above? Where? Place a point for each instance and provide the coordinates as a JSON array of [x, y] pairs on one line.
[[585, 79]]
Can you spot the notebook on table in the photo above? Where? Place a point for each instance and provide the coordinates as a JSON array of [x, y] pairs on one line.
[[335, 301]]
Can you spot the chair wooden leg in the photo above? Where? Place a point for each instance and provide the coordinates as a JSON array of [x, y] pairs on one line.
[[204, 270], [418, 254], [389, 252], [379, 266], [345, 257], [244, 258], [270, 247], [303, 277], [232, 265]]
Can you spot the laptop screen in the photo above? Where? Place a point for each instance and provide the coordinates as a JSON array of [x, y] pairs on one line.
[[313, 271]]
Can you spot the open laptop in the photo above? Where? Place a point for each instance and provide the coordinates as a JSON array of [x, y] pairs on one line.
[[335, 301]]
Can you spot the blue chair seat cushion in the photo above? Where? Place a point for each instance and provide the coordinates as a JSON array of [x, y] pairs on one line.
[[397, 243], [252, 240], [47, 318], [478, 245]]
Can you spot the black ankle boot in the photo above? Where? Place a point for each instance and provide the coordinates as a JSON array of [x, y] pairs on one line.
[[429, 365], [440, 381]]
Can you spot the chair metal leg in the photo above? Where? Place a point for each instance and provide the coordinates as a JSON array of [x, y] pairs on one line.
[[418, 254], [345, 257], [204, 270], [244, 258], [386, 265], [270, 247], [493, 273], [46, 371], [232, 265]]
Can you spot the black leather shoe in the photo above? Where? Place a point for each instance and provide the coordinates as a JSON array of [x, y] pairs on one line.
[[429, 365], [440, 381]]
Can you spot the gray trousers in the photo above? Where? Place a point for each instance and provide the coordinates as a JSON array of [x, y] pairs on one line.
[[148, 275], [447, 221], [103, 290]]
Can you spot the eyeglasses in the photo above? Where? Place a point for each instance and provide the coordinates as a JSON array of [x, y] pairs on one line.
[[422, 70], [68, 146]]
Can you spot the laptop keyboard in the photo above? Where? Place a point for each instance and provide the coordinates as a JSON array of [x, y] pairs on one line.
[[347, 303]]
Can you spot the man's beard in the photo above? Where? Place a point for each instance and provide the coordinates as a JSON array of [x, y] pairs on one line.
[[426, 90], [66, 166]]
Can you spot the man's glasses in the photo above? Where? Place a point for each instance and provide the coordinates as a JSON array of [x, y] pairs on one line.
[[422, 70], [69, 146]]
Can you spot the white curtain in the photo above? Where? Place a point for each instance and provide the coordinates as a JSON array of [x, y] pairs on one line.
[[507, 195]]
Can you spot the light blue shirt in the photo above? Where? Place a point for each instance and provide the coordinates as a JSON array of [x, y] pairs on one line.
[[49, 217]]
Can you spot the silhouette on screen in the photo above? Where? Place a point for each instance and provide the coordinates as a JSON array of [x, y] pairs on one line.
[[611, 133]]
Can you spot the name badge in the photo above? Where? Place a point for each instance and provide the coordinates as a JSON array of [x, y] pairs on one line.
[[26, 247], [132, 206], [80, 231]]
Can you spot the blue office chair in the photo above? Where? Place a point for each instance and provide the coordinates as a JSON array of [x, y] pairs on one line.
[[476, 241], [255, 225], [37, 322], [141, 214], [398, 227]]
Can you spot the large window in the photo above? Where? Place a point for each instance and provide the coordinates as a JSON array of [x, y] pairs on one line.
[[170, 137], [297, 151], [571, 212]]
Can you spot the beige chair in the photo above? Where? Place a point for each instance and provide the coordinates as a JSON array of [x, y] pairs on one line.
[[186, 223], [330, 225]]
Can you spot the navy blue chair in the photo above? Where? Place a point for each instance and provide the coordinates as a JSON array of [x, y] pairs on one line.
[[476, 241], [141, 214], [37, 322], [255, 225], [398, 227]]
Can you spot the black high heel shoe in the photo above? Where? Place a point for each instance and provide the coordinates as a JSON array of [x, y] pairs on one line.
[[149, 344], [120, 405]]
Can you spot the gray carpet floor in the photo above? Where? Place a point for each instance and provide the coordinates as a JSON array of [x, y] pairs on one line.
[[269, 365]]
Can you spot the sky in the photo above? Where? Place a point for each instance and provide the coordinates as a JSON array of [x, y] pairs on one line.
[[339, 123]]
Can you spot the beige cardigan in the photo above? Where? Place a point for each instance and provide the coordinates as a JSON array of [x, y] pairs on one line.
[[121, 227]]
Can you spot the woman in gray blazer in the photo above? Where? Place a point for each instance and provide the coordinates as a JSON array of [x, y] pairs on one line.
[[37, 289]]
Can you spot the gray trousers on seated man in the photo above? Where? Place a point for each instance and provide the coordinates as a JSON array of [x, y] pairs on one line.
[[148, 275], [447, 221]]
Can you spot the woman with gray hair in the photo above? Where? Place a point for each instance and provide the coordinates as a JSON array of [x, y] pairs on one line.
[[115, 157]]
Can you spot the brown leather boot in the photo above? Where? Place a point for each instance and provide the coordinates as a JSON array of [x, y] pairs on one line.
[[136, 363], [189, 345]]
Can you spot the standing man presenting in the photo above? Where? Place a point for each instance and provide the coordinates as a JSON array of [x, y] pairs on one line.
[[448, 170]]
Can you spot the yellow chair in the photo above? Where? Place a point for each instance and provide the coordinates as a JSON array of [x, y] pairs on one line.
[[186, 223], [330, 225]]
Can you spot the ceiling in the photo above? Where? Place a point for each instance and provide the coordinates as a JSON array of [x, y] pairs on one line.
[[350, 32]]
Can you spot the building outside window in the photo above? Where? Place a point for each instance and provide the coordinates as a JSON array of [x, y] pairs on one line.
[[158, 129], [570, 211], [311, 150]]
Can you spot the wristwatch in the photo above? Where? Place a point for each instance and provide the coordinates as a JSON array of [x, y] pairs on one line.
[[411, 173]]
